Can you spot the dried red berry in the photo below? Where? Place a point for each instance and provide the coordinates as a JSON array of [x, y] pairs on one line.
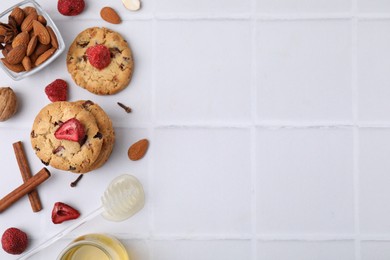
[[71, 130], [99, 56], [70, 7], [14, 241], [62, 212], [57, 90]]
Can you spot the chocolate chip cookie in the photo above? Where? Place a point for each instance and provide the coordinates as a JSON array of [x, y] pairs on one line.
[[64, 154], [106, 129], [109, 80]]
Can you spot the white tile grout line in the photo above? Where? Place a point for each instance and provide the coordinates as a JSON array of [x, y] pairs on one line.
[[248, 16], [273, 127], [152, 128], [251, 238], [277, 126], [253, 93], [267, 16], [356, 154], [355, 100], [265, 126]]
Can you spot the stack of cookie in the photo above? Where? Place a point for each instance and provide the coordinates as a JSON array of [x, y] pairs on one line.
[[80, 156]]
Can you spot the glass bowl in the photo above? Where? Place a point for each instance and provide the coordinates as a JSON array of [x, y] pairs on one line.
[[61, 45], [95, 246]]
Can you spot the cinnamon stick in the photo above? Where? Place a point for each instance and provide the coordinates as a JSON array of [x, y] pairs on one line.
[[23, 189], [24, 168]]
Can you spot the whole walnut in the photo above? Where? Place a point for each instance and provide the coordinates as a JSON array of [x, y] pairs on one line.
[[8, 103]]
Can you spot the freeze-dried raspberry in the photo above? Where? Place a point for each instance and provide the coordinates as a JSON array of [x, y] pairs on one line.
[[70, 7], [57, 90], [14, 241], [99, 56]]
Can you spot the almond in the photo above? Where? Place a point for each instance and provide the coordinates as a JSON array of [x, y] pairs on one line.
[[27, 24], [33, 57], [44, 56], [31, 33], [4, 52], [15, 68], [22, 38], [28, 10], [132, 5], [17, 54], [18, 15], [26, 62], [41, 48], [53, 37], [110, 15], [32, 45], [3, 31], [41, 32], [42, 20], [138, 149], [8, 47]]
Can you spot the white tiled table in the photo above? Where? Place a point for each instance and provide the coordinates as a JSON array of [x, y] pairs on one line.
[[269, 123]]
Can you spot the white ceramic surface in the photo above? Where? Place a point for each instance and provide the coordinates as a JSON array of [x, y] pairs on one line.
[[269, 124]]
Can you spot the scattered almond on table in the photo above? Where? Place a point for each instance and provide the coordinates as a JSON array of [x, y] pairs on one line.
[[110, 15], [138, 150], [132, 5]]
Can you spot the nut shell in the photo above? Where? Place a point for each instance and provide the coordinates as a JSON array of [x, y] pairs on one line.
[[8, 103]]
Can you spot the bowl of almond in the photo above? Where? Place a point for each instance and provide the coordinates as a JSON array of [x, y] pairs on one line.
[[29, 40]]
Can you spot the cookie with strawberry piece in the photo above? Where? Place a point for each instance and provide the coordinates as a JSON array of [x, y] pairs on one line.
[[106, 128], [100, 60], [65, 136]]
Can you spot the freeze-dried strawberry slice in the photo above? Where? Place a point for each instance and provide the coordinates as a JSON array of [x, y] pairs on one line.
[[99, 56], [71, 130], [57, 90], [62, 212]]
